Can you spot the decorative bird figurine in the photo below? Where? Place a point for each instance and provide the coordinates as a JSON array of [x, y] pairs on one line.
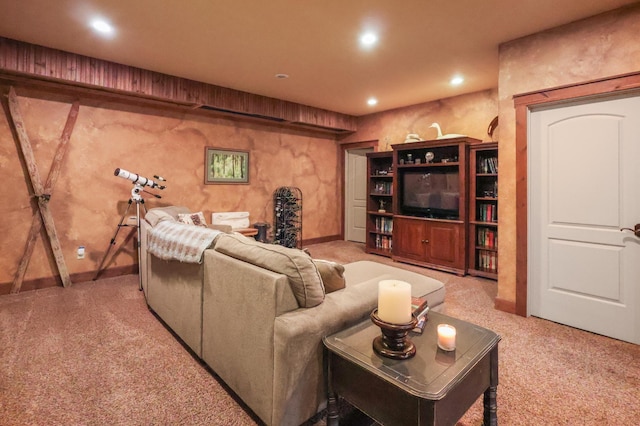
[[448, 135], [412, 137]]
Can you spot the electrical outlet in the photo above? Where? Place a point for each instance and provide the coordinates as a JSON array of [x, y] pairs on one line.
[[81, 252]]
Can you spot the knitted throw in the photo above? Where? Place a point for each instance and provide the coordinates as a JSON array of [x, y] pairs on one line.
[[170, 240]]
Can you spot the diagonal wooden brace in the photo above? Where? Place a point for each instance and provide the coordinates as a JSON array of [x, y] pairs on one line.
[[54, 172], [43, 193], [36, 221]]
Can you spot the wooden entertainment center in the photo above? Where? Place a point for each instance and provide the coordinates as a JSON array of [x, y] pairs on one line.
[[434, 204]]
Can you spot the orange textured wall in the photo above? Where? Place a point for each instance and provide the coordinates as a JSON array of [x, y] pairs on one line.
[[88, 200], [469, 115], [601, 46]]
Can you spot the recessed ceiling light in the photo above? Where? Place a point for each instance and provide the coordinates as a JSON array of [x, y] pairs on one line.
[[368, 39], [457, 80], [372, 101], [102, 26]]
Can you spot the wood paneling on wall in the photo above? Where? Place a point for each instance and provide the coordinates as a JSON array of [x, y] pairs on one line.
[[69, 68]]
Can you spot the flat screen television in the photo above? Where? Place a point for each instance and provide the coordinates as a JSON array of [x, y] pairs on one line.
[[434, 194]]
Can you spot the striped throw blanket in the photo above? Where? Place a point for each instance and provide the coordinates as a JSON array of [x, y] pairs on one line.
[[178, 241]]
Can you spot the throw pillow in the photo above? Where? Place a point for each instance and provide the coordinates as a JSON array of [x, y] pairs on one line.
[[332, 274], [303, 275], [196, 218], [155, 216]]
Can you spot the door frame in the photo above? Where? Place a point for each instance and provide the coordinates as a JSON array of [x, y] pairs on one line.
[[344, 147], [361, 153], [523, 103]]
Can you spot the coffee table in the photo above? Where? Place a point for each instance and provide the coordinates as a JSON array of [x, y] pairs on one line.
[[432, 388]]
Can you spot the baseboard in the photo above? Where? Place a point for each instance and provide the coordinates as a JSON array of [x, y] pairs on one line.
[[56, 281], [319, 240], [505, 305]]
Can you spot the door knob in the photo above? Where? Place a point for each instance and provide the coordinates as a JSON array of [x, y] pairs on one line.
[[425, 241], [635, 230]]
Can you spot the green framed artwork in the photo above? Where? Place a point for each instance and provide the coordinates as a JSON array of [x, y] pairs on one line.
[[226, 166]]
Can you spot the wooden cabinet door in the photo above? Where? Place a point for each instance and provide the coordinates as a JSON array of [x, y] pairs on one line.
[[430, 243], [443, 247], [409, 236]]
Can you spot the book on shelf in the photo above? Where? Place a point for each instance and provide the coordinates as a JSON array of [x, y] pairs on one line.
[[384, 224], [487, 212], [487, 238], [488, 261], [420, 308], [383, 188], [383, 242], [488, 165]]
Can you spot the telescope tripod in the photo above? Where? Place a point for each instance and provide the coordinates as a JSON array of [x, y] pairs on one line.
[[138, 200]]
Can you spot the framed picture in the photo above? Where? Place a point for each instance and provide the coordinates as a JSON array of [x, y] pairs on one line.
[[225, 166]]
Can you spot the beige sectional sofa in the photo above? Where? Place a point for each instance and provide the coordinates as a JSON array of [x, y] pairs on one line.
[[260, 328]]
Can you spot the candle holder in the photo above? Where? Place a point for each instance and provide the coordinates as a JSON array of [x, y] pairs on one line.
[[393, 343], [446, 337]]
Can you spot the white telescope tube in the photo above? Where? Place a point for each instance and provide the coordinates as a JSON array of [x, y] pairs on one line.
[[137, 179]]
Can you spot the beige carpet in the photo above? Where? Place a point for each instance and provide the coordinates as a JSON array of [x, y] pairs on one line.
[[93, 354]]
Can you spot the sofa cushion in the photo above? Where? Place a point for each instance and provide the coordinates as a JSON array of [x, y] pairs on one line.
[[421, 285], [159, 214], [155, 216], [196, 218], [332, 274], [303, 275]]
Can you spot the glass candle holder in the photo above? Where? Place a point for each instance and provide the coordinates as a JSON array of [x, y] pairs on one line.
[[446, 337]]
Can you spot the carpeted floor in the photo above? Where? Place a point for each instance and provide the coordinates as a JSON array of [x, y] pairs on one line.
[[93, 354]]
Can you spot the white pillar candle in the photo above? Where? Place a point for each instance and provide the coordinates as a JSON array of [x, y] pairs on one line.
[[394, 301], [446, 337]]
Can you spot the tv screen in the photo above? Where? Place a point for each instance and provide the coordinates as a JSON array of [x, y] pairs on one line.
[[431, 194]]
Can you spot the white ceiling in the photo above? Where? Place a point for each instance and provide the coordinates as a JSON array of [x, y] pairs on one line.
[[243, 44]]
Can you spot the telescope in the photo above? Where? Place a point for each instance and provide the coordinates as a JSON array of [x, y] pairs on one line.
[[139, 180]]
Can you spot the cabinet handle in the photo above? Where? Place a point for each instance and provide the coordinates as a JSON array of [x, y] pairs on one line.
[[425, 241]]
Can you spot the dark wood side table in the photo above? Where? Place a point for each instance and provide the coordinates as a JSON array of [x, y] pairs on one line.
[[432, 388], [248, 232]]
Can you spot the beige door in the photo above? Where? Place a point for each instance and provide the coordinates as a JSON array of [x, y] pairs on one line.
[[584, 177], [356, 195]]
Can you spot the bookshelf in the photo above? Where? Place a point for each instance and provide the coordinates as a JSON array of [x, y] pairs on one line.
[[483, 210], [379, 227]]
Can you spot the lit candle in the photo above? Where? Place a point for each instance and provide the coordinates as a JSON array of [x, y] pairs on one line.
[[394, 301], [446, 337]]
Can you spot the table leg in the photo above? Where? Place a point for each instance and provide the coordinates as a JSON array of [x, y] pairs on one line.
[[490, 407], [333, 416], [491, 394], [333, 413]]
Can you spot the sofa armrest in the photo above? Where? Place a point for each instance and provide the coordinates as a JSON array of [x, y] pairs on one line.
[[300, 389], [143, 262]]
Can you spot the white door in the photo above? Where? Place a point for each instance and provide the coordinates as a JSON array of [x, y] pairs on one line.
[[584, 186], [356, 195]]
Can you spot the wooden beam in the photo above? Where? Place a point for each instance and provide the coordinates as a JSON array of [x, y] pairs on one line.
[[39, 191], [43, 65], [54, 172]]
